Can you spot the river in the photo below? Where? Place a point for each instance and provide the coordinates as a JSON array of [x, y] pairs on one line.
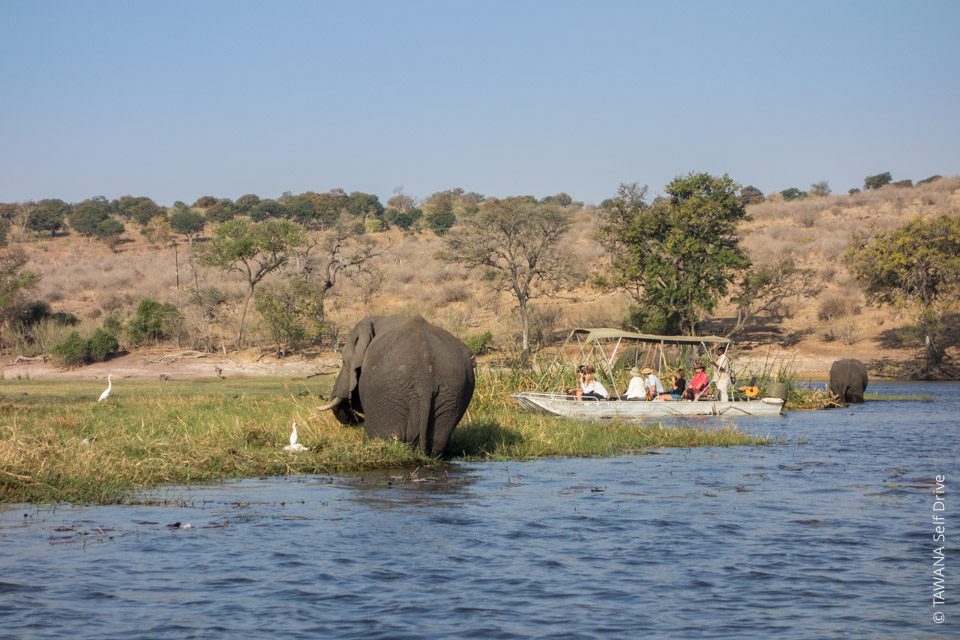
[[830, 535]]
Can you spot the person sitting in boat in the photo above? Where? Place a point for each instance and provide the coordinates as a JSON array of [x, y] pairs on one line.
[[654, 386], [698, 384], [591, 386], [637, 390], [752, 390], [677, 385]]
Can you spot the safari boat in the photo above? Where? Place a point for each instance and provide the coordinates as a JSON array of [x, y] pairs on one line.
[[613, 352]]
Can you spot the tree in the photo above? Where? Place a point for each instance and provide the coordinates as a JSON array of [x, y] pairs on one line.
[[221, 211], [793, 194], [153, 321], [750, 195], [48, 215], [820, 189], [440, 220], [142, 210], [871, 183], [364, 205], [767, 289], [676, 257], [88, 214], [914, 268], [187, 223], [267, 209], [109, 231], [253, 249], [518, 241], [15, 281]]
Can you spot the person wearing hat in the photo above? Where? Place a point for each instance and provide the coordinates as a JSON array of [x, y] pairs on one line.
[[589, 385], [637, 390], [654, 386], [698, 384], [722, 373]]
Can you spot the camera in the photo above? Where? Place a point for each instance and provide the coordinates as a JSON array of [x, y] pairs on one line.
[[582, 369]]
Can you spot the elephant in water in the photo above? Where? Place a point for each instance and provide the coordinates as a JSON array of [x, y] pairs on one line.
[[405, 378], [848, 380]]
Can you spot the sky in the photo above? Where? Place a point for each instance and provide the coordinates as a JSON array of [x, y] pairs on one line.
[[175, 100]]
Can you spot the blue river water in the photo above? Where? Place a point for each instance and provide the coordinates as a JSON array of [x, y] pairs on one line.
[[830, 535]]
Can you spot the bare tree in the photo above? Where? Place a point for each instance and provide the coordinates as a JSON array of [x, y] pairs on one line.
[[518, 240]]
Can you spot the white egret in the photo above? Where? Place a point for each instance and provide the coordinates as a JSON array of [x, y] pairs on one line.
[[294, 445], [106, 392]]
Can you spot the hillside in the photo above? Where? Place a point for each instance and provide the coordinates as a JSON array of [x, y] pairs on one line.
[[86, 278]]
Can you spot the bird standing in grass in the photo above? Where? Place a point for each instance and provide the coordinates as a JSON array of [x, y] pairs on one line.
[[106, 392], [294, 445]]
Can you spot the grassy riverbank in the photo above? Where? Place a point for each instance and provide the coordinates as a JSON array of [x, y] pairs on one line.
[[58, 444]]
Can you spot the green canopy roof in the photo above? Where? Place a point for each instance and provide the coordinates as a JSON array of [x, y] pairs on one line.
[[591, 335]]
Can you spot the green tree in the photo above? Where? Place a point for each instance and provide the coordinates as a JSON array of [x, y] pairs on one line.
[[143, 210], [820, 189], [49, 215], [291, 312], [221, 211], [364, 205], [517, 241], [440, 220], [875, 182], [267, 209], [253, 249], [793, 194], [15, 282], [677, 257], [152, 322], [109, 231], [247, 202], [914, 268], [751, 195], [187, 223], [88, 214]]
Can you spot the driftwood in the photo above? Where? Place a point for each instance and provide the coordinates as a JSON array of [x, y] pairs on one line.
[[22, 359], [176, 356]]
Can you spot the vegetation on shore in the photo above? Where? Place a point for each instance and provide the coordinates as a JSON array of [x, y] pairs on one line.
[[58, 444]]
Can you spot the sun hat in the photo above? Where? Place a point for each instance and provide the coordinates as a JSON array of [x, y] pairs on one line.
[[646, 371], [635, 372]]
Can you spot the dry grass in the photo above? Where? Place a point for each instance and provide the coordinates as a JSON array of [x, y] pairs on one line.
[[89, 280]]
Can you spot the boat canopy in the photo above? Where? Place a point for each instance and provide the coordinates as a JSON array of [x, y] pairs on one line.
[[614, 350], [588, 335]]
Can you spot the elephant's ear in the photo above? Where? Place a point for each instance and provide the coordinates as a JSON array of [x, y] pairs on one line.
[[354, 359]]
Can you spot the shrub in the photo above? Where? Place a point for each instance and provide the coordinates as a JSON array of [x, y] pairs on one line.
[[153, 321], [480, 343], [793, 194], [871, 183], [101, 345], [72, 351]]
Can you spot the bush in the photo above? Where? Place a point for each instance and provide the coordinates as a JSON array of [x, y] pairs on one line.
[[72, 351], [480, 343], [101, 345], [875, 182], [153, 321]]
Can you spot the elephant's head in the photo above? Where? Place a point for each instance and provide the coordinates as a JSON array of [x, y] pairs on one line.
[[345, 401]]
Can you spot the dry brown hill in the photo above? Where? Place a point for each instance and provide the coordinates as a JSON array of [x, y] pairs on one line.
[[86, 278]]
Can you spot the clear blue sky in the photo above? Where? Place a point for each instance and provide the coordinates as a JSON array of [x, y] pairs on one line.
[[174, 100]]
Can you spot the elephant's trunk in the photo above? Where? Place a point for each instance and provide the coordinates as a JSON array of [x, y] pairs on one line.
[[330, 405]]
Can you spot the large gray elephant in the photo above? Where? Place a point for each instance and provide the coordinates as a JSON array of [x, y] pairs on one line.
[[848, 380], [405, 378]]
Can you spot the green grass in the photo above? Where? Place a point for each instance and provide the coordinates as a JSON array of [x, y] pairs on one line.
[[58, 444]]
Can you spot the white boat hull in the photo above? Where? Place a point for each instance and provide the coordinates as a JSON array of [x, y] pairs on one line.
[[591, 409]]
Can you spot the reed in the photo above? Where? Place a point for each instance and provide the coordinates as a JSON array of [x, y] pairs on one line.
[[57, 444]]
